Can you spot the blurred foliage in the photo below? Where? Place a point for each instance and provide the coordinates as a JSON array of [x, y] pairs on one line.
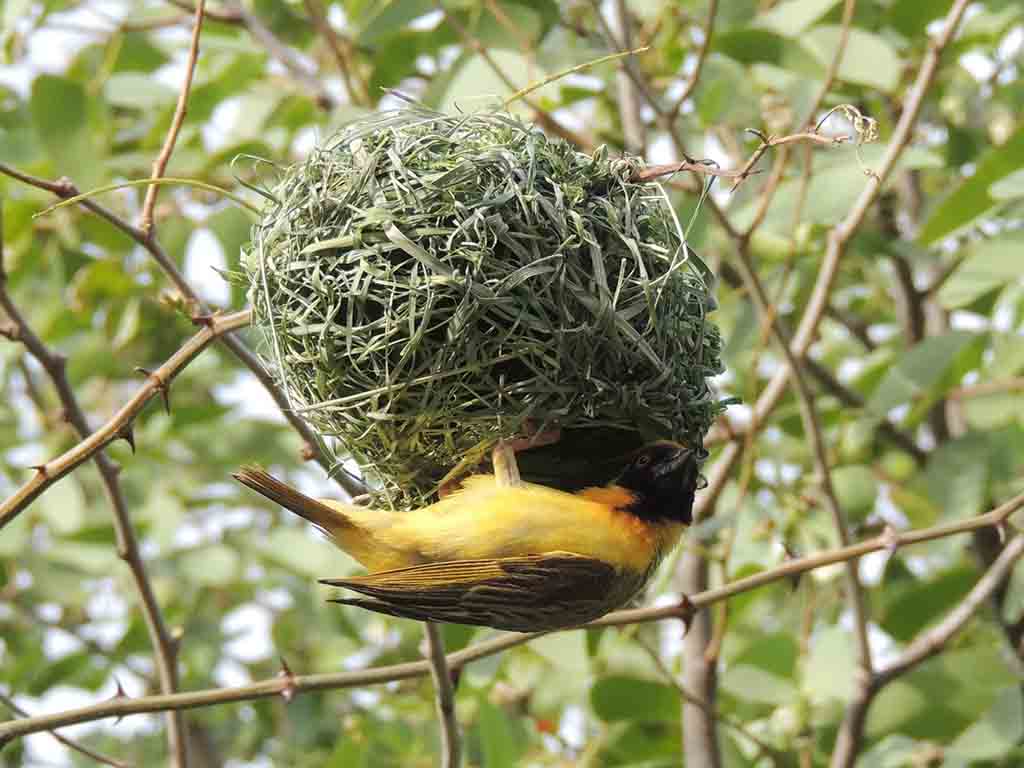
[[87, 90]]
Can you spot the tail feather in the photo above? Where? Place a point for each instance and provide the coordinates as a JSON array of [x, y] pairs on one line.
[[329, 520]]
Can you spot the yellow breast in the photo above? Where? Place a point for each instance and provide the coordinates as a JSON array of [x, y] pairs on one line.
[[485, 520]]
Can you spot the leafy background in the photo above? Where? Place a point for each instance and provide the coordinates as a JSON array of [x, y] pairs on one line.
[[915, 375]]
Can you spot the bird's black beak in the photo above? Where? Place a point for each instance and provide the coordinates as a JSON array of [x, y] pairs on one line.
[[674, 463]]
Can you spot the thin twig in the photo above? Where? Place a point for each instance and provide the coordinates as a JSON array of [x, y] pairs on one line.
[[342, 48], [180, 110], [451, 745], [931, 641], [164, 646], [288, 58], [225, 17], [848, 397], [633, 132], [277, 685], [994, 387], [698, 68], [64, 188], [840, 235], [812, 430], [540, 114], [69, 743], [927, 644], [775, 755]]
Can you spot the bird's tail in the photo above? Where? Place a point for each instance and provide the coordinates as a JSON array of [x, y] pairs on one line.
[[331, 521]]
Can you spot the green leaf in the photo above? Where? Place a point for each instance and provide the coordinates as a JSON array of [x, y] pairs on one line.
[[835, 183], [500, 746], [868, 60], [1008, 188], [909, 607], [390, 16], [628, 698], [831, 651], [918, 374], [749, 683], [137, 91], [972, 199], [957, 476], [215, 565], [63, 506], [792, 17], [987, 266], [998, 730], [856, 488]]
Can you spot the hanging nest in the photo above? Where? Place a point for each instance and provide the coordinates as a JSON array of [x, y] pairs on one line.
[[428, 283]]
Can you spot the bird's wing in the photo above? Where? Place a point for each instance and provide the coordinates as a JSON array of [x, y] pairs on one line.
[[523, 594]]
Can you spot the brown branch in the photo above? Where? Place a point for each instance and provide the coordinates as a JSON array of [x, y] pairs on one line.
[[451, 746], [539, 113], [812, 428], [295, 684], [69, 743], [776, 756], [224, 17], [287, 57], [164, 647], [840, 236], [652, 172], [848, 397], [698, 68], [633, 132], [994, 387], [355, 85], [927, 644], [180, 110], [65, 189], [157, 381]]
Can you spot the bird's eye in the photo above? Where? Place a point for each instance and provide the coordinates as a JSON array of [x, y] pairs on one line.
[[643, 461]]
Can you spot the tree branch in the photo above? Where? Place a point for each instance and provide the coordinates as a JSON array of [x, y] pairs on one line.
[[451, 747], [842, 233], [65, 189], [157, 382], [180, 110], [69, 743], [164, 647], [926, 645], [698, 68], [278, 686]]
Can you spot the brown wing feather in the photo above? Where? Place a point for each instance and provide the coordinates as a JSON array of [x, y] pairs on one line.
[[523, 594]]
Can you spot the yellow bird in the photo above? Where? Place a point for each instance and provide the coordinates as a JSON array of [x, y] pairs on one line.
[[507, 554]]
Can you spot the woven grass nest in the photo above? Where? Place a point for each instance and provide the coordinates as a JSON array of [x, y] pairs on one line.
[[427, 283]]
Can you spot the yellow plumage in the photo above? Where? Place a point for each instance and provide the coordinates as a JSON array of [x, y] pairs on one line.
[[509, 554]]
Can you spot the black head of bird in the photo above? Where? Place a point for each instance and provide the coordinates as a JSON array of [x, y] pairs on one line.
[[663, 478]]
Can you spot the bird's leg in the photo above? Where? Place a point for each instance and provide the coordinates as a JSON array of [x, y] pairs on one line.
[[506, 468], [535, 438]]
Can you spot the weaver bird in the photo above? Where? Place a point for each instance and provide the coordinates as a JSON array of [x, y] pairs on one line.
[[507, 554]]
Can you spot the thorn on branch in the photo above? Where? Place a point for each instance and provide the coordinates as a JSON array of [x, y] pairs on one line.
[[288, 690], [206, 319], [41, 469], [127, 433], [308, 452], [686, 610], [119, 693], [791, 554], [10, 332], [161, 386], [65, 187]]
